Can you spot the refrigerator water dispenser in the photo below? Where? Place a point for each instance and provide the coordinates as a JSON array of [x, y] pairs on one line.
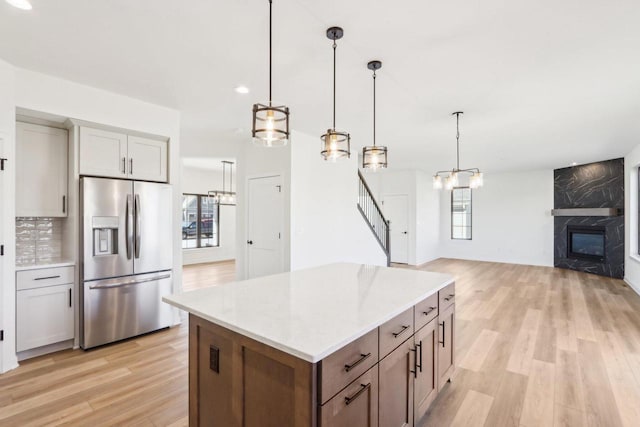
[[105, 235]]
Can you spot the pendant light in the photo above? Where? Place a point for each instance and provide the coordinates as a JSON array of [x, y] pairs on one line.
[[224, 197], [450, 179], [270, 123], [335, 144], [374, 156]]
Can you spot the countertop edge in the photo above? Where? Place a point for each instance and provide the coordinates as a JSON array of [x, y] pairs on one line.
[[43, 266], [297, 353]]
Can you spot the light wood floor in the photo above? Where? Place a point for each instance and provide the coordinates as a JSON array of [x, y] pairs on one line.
[[199, 276], [536, 347]]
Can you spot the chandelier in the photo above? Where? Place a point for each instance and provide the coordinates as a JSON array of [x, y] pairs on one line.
[[335, 144], [374, 156], [450, 179], [270, 122], [224, 197]]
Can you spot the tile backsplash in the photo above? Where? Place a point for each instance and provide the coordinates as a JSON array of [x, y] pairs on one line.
[[38, 240]]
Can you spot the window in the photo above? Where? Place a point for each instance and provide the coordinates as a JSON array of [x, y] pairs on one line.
[[200, 221], [461, 213]]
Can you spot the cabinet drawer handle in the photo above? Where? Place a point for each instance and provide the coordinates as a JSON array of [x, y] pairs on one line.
[[124, 165], [69, 297], [64, 204], [401, 331], [426, 313], [364, 387], [415, 362], [419, 365], [362, 358], [47, 278], [443, 334], [449, 297], [131, 166]]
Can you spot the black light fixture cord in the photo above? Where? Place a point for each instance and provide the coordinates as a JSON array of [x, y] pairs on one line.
[[457, 141], [334, 84], [374, 108], [270, 31]]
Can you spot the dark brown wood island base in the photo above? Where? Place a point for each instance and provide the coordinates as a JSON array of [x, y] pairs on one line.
[[387, 377]]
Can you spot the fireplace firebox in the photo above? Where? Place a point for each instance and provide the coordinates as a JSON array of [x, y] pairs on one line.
[[586, 243]]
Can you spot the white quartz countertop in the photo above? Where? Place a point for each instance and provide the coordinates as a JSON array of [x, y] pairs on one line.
[[45, 265], [312, 313]]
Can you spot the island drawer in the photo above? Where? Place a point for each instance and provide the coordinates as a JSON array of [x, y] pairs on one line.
[[43, 277], [355, 405], [339, 369], [395, 332], [447, 296], [425, 311]]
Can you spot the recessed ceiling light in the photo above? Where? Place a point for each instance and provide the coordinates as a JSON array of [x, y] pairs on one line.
[[573, 163], [20, 4], [242, 89]]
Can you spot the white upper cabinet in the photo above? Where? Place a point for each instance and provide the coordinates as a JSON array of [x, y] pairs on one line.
[[103, 153], [41, 172], [147, 159], [117, 155]]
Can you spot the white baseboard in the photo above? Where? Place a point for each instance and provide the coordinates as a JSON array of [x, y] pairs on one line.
[[632, 286]]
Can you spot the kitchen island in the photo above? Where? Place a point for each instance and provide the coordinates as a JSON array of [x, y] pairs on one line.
[[337, 345]]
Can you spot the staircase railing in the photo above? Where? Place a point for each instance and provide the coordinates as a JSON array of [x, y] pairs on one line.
[[372, 214]]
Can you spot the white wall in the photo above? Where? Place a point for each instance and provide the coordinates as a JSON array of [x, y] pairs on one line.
[[200, 181], [8, 358], [427, 219], [47, 94], [326, 224], [632, 259], [423, 206], [512, 220]]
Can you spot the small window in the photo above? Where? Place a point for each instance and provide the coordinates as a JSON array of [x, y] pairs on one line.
[[461, 213], [200, 221]]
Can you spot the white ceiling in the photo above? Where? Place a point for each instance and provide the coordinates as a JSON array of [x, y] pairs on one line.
[[543, 83]]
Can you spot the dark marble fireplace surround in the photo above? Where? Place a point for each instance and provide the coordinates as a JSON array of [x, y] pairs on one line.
[[595, 185]]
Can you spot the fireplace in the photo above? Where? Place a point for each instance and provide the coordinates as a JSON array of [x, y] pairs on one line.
[[586, 243]]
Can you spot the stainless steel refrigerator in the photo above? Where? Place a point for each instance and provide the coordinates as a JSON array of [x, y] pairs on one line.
[[126, 238]]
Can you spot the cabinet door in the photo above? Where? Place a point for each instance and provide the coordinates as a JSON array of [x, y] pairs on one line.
[[355, 406], [44, 316], [41, 171], [397, 372], [426, 381], [147, 159], [446, 345], [103, 153]]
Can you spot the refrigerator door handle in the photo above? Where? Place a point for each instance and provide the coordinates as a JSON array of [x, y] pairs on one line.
[[129, 226], [132, 282], [138, 225]]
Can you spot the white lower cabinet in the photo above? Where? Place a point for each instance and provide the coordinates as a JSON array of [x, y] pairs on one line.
[[44, 315]]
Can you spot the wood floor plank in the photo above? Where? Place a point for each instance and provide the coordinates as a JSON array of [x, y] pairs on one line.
[[507, 404], [537, 408], [474, 410], [525, 343], [479, 350], [563, 416], [569, 390], [623, 384], [600, 405]]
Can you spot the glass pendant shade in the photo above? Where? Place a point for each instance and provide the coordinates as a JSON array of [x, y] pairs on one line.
[[335, 145], [437, 182], [374, 157], [476, 180], [270, 125], [448, 183]]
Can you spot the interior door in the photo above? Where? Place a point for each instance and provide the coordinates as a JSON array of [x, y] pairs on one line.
[[396, 210], [264, 227], [2, 242], [153, 246]]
